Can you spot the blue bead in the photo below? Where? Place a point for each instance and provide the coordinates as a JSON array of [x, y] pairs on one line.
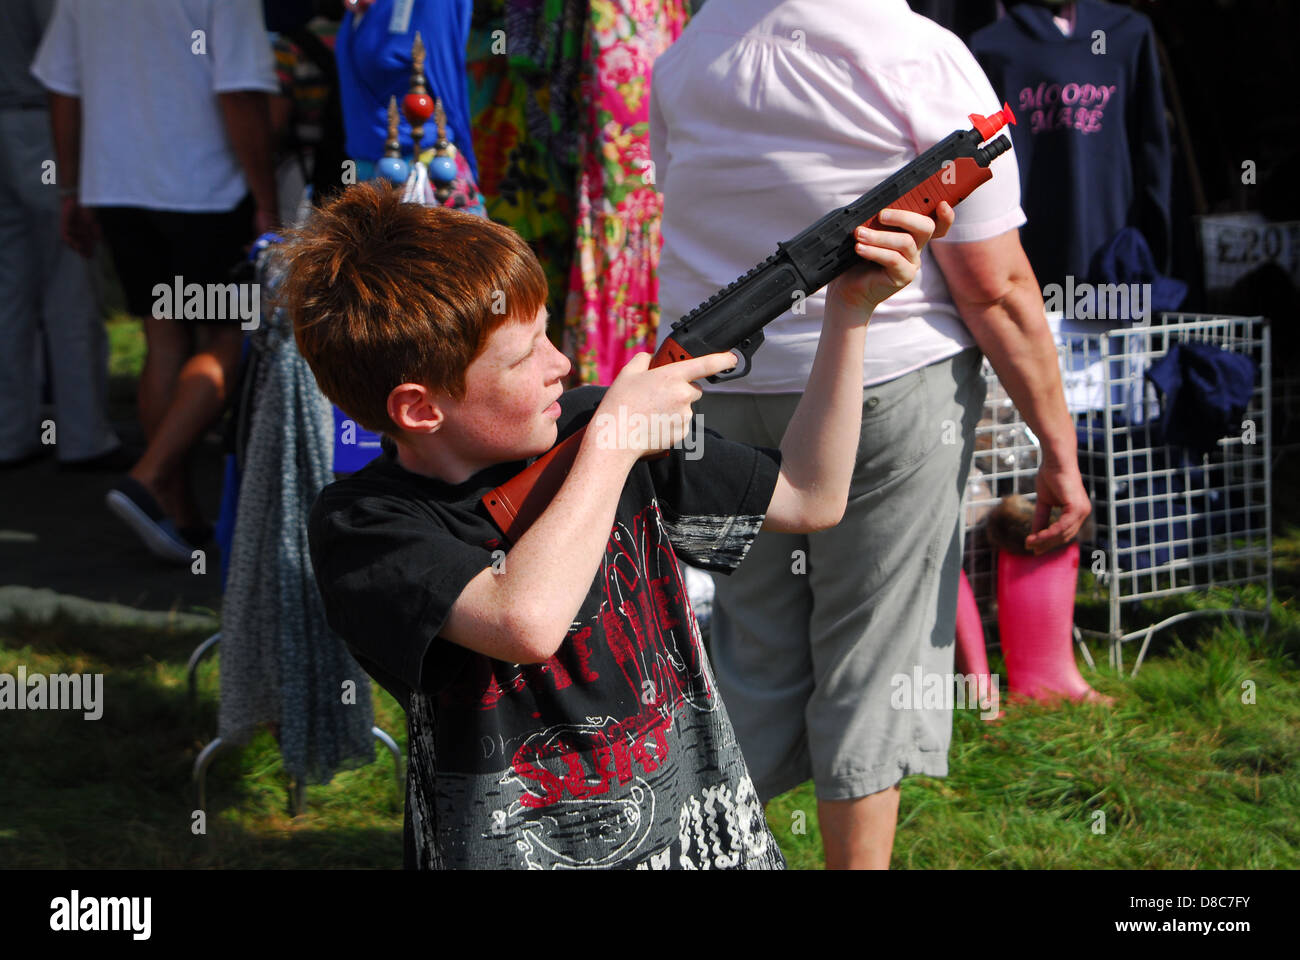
[[393, 168], [442, 170]]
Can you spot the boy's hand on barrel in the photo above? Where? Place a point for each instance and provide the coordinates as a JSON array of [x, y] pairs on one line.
[[893, 257]]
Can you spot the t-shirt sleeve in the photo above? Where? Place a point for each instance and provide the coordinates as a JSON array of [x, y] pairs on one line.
[[240, 48], [56, 65], [713, 494], [936, 98], [388, 576]]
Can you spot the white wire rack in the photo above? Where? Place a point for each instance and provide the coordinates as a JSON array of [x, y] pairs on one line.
[[1165, 523]]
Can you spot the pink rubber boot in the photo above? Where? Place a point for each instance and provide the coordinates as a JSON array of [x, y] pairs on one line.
[[1036, 622], [971, 656]]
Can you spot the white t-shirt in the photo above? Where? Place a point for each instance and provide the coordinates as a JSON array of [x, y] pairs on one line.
[[148, 73], [765, 116]]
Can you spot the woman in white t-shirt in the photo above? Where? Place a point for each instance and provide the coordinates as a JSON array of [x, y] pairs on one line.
[[765, 115]]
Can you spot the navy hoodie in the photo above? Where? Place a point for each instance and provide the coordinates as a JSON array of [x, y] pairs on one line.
[[1092, 142]]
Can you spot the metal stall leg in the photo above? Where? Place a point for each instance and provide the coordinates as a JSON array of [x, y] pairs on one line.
[[200, 775], [192, 668], [388, 741]]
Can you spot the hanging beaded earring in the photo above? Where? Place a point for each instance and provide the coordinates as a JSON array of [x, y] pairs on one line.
[[442, 168], [419, 107], [391, 166]]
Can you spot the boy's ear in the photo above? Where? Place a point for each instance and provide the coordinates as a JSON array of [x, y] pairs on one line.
[[415, 408]]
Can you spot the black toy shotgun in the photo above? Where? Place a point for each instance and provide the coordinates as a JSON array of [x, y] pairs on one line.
[[734, 317]]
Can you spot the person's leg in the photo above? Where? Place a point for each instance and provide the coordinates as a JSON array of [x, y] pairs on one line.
[[758, 640], [167, 347], [144, 257], [19, 312], [78, 357], [67, 301], [201, 249], [879, 586], [858, 834], [202, 389]]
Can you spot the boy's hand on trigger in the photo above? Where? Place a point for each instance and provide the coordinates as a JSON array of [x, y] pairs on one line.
[[892, 256], [655, 404]]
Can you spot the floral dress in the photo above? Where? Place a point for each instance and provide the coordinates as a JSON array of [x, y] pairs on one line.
[[612, 310], [524, 62]]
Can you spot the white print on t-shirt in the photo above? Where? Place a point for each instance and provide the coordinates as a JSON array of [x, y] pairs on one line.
[[602, 791], [639, 580], [701, 832], [589, 780]]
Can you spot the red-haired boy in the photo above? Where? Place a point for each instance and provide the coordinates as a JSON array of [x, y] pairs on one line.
[[561, 709]]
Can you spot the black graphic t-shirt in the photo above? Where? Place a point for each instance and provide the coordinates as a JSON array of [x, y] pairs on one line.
[[616, 752]]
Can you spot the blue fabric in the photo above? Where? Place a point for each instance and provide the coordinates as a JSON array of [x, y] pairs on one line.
[[375, 64], [1158, 503], [1205, 393], [1091, 139], [1127, 259], [354, 445]]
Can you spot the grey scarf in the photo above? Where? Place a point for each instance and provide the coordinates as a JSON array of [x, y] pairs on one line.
[[280, 662]]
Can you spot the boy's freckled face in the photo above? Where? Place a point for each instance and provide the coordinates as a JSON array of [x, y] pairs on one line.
[[508, 411]]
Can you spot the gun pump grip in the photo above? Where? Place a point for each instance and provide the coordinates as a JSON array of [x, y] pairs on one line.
[[953, 183]]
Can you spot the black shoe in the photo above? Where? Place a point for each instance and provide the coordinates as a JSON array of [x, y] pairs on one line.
[[117, 460], [141, 512]]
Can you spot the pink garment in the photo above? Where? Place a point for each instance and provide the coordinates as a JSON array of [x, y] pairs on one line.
[[971, 655], [1036, 624], [612, 310], [1066, 19]]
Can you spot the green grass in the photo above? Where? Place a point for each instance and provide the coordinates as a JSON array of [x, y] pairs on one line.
[[116, 792], [1185, 773], [126, 346]]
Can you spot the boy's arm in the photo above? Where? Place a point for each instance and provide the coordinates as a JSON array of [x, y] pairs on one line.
[[521, 611], [513, 610], [821, 442], [820, 445]]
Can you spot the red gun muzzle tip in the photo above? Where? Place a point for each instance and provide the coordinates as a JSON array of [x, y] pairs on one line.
[[988, 126]]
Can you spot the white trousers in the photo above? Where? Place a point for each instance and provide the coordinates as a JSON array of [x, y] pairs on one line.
[[45, 285]]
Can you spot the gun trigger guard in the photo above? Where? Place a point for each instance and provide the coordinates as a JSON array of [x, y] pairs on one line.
[[746, 350]]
